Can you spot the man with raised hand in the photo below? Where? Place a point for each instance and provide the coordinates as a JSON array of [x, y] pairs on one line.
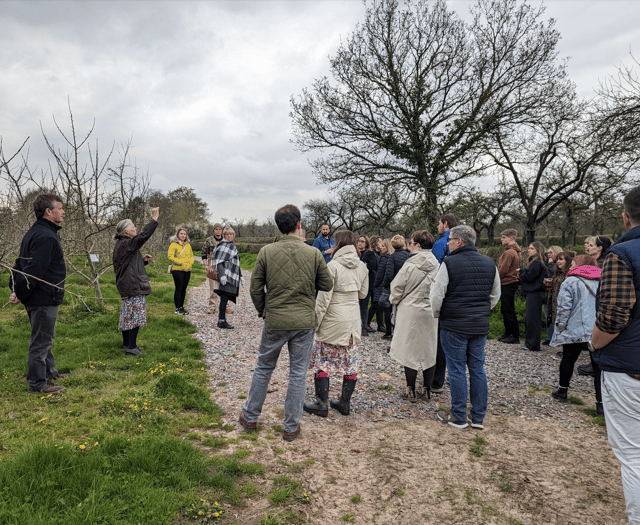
[[284, 281], [37, 281], [615, 343]]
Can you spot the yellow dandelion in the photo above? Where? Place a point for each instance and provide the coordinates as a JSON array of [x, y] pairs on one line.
[[43, 419], [96, 444], [82, 447], [200, 513]]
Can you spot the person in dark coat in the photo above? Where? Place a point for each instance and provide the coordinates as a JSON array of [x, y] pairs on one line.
[[383, 315], [368, 257], [532, 282], [396, 260], [37, 281], [132, 280]]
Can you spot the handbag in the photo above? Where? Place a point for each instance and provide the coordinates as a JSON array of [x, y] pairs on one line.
[[171, 265], [384, 299], [169, 269], [212, 274]]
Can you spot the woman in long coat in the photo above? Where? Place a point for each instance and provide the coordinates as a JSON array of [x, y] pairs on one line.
[[226, 261], [339, 326], [383, 314], [368, 257], [396, 260], [131, 278], [415, 339]]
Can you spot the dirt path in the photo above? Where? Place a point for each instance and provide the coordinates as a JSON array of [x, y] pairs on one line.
[[393, 463]]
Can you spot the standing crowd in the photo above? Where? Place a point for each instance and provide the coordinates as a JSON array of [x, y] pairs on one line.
[[431, 298]]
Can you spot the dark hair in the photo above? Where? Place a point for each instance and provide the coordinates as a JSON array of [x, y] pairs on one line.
[[374, 242], [603, 241], [367, 243], [450, 219], [46, 201], [287, 219], [344, 238], [631, 204], [424, 239], [568, 257]]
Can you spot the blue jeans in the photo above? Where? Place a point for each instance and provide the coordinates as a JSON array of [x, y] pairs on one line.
[[43, 330], [299, 343], [464, 351]]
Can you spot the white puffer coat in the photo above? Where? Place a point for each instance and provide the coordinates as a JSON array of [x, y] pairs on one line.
[[338, 310], [415, 337]]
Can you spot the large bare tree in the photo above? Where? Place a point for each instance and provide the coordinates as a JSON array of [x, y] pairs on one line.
[[416, 90]]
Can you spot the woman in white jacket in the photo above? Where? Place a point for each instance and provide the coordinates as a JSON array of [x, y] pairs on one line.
[[415, 338], [339, 326]]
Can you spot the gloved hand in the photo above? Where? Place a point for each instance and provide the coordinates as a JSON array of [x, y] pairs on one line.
[[242, 280], [223, 280]]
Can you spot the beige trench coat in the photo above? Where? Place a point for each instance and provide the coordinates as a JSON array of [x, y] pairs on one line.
[[338, 310], [415, 337]]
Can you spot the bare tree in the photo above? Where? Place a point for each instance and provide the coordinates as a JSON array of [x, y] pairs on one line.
[[417, 90]]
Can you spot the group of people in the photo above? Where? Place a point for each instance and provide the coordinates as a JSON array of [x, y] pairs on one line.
[[442, 292]]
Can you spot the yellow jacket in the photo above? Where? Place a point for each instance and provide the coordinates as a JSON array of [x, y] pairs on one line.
[[181, 257]]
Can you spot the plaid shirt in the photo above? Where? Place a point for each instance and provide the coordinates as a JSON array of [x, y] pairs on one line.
[[226, 261], [617, 295]]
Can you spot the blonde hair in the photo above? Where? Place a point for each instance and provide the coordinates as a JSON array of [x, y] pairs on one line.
[[228, 229], [397, 241], [387, 243]]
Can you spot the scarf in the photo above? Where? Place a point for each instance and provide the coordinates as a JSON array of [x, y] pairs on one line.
[[226, 261]]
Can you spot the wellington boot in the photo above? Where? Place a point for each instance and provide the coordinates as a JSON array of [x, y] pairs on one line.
[[321, 406], [343, 405]]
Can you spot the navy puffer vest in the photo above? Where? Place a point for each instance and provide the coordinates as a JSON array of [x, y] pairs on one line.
[[623, 353], [467, 303]]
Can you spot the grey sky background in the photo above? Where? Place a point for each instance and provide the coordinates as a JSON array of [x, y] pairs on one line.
[[203, 88]]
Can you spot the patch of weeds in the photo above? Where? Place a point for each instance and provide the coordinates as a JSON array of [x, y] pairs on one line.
[[386, 388], [476, 448], [342, 462], [221, 384], [269, 436], [215, 442], [187, 394], [249, 489], [242, 396], [575, 400], [398, 492], [250, 435], [332, 479], [348, 518], [308, 462], [287, 517], [377, 453], [279, 412], [355, 499], [204, 512], [277, 428], [597, 420], [228, 428], [284, 490], [513, 521], [501, 479], [241, 453], [506, 451]]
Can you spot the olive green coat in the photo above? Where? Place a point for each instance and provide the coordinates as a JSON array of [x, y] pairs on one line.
[[284, 281]]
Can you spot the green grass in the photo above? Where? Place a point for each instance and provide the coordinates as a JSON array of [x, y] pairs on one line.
[[109, 449]]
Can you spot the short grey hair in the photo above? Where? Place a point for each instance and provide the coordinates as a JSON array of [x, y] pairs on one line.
[[465, 233], [123, 225]]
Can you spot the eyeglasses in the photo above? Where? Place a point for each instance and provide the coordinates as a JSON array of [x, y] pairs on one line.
[[452, 239]]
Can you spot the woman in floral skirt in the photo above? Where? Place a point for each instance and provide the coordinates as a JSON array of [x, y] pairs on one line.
[[131, 278], [340, 325]]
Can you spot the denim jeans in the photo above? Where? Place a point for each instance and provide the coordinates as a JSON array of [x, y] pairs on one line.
[[299, 343], [43, 330], [621, 400], [464, 351]]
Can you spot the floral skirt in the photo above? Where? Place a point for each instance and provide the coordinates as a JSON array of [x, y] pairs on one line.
[[334, 359], [133, 313]]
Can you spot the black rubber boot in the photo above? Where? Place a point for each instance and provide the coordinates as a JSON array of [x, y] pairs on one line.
[[560, 394], [342, 406], [321, 406]]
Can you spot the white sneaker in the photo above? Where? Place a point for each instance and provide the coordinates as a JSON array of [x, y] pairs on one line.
[[447, 417], [474, 424]]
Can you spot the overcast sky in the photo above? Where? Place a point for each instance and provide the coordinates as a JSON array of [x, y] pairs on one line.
[[203, 88]]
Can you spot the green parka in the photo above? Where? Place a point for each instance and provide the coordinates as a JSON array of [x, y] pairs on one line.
[[284, 283]]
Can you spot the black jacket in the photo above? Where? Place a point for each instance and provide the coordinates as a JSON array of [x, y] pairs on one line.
[[41, 257], [371, 260], [377, 283], [128, 264], [532, 278], [396, 260]]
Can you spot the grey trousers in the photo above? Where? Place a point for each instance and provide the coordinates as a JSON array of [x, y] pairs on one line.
[[43, 330], [299, 343]]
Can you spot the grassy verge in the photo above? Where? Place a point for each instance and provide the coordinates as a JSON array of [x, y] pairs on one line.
[[110, 448]]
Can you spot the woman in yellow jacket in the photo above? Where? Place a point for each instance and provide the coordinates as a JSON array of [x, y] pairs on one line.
[[181, 257]]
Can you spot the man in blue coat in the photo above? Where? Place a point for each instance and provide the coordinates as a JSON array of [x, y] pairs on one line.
[[324, 242], [37, 280], [615, 343]]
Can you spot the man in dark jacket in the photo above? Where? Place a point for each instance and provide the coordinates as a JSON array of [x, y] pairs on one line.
[[324, 242], [37, 281], [285, 278], [615, 343], [465, 290]]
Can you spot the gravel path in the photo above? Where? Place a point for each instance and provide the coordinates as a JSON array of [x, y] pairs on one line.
[[515, 376]]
